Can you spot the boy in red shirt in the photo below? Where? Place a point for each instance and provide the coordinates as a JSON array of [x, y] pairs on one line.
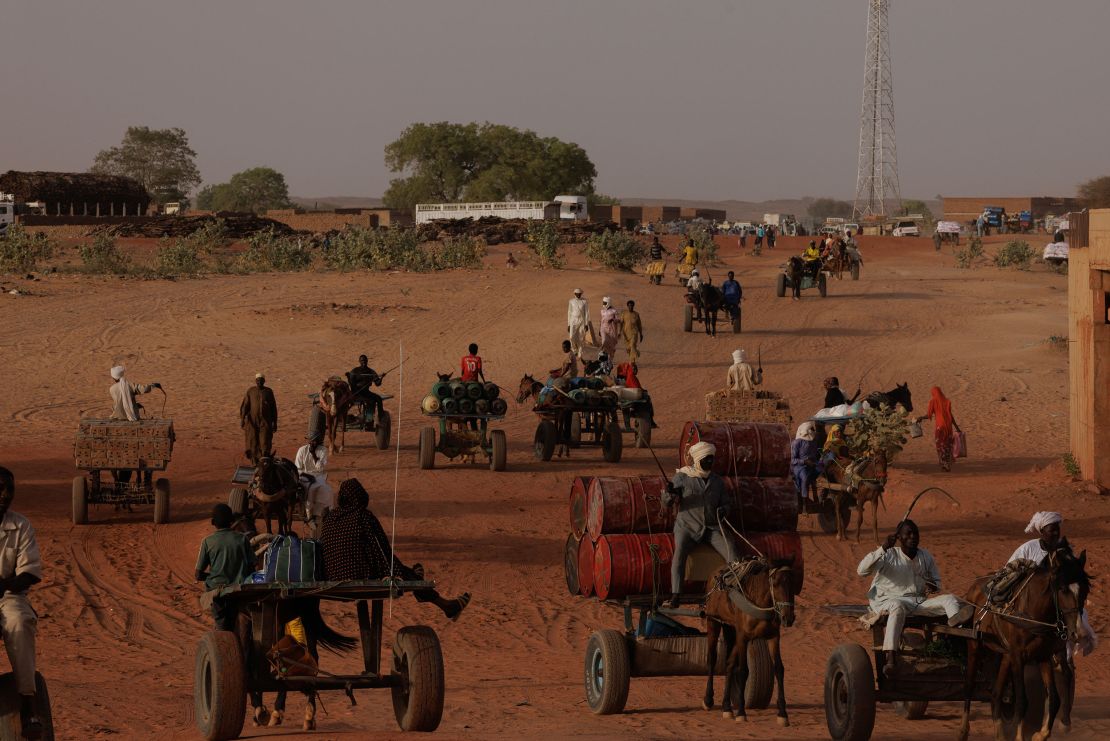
[[472, 365]]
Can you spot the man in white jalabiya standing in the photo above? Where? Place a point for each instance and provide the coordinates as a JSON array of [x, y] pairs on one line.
[[578, 322]]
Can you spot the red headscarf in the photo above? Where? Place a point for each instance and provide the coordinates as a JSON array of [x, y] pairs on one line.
[[940, 411]]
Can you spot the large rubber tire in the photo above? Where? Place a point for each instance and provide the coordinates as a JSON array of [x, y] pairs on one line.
[[780, 286], [855, 271], [607, 672], [761, 676], [575, 431], [80, 501], [688, 319], [427, 448], [237, 499], [612, 443], [385, 426], [161, 501], [826, 516], [823, 285], [499, 450], [643, 430], [418, 662], [911, 709], [11, 728], [849, 693], [544, 442], [219, 686]]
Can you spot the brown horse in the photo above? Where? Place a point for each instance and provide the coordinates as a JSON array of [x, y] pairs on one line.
[[1032, 627], [335, 400], [530, 388], [865, 480], [749, 599], [277, 489]]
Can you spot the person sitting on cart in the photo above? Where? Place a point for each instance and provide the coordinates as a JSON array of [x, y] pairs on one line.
[[312, 463], [812, 258], [834, 397], [741, 376], [123, 395], [19, 571], [733, 294], [569, 368], [361, 378], [693, 283], [703, 506], [603, 366], [225, 557], [625, 375], [472, 365], [903, 578], [355, 547], [805, 454]]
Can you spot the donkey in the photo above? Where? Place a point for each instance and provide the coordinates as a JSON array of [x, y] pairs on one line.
[[530, 388], [749, 599], [335, 400], [900, 394], [1034, 626], [865, 480], [712, 301], [276, 487]]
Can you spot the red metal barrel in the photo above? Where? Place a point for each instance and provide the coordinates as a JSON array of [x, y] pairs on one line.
[[627, 504], [578, 504], [762, 504], [585, 567], [775, 546], [570, 563], [623, 564], [743, 448]]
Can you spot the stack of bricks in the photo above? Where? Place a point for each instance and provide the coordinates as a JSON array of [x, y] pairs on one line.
[[109, 443], [747, 406]]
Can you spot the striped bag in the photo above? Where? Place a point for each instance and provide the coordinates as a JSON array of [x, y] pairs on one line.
[[290, 559]]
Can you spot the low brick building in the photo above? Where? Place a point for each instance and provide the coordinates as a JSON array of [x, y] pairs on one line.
[[965, 209]]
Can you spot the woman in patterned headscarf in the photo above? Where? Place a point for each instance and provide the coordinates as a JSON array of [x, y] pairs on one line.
[[355, 547]]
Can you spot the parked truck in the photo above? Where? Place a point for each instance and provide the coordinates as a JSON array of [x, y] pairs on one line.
[[786, 224], [7, 211], [566, 208]]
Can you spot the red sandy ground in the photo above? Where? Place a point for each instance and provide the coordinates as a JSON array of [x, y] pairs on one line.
[[118, 606]]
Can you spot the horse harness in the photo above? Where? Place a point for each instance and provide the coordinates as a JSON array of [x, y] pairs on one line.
[[853, 477], [998, 593], [731, 581]]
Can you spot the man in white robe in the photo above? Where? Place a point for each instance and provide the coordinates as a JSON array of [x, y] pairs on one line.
[[741, 376], [312, 462], [123, 395], [578, 322]]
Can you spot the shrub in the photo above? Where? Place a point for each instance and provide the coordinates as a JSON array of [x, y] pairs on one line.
[[1014, 254], [392, 249], [103, 256], [270, 251], [617, 250], [210, 237], [457, 252], [177, 257], [21, 252], [1071, 466], [543, 237], [965, 258], [703, 240]]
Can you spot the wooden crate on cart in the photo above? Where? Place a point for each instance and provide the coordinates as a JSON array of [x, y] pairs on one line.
[[113, 443], [747, 406]]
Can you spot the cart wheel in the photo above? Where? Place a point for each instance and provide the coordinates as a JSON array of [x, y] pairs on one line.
[[385, 425], [855, 271], [688, 319], [237, 500], [911, 709], [427, 448], [11, 728], [607, 672], [826, 516], [780, 285], [161, 501], [761, 676], [219, 686], [80, 501], [823, 285], [499, 445], [736, 322], [643, 430], [849, 693], [612, 443], [575, 431], [418, 663], [544, 442]]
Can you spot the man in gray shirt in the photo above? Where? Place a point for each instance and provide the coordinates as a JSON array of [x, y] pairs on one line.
[[703, 505]]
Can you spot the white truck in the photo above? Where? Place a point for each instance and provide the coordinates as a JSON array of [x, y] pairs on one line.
[[786, 224], [7, 211], [908, 226], [566, 208]]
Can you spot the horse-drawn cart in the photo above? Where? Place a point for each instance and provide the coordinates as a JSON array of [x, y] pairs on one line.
[[463, 436], [362, 416], [807, 281], [228, 669], [591, 422], [129, 453], [693, 313], [247, 496]]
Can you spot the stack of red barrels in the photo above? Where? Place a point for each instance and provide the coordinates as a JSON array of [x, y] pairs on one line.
[[618, 521]]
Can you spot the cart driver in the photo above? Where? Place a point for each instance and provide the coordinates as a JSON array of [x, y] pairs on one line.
[[123, 395], [361, 378], [904, 578], [20, 569]]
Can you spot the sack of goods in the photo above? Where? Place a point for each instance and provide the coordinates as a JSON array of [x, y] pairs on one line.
[[290, 559]]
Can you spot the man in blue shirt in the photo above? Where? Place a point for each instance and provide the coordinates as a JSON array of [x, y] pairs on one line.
[[733, 293]]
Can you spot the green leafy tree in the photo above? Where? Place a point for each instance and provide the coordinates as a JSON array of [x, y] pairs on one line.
[[446, 162], [823, 208], [255, 190], [917, 207], [1096, 193], [160, 159]]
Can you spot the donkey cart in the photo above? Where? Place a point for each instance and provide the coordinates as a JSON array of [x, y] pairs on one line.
[[821, 283], [129, 453], [226, 670], [246, 490], [463, 436], [692, 313], [364, 417], [577, 424]]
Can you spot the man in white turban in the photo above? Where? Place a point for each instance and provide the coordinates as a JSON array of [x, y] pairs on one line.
[[610, 327], [1046, 526], [703, 506], [741, 376], [578, 322], [123, 395]]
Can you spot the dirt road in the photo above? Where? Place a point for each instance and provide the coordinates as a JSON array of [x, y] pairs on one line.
[[118, 606]]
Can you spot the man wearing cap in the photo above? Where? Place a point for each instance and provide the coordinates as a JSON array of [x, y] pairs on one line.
[[578, 321], [20, 569], [703, 506], [258, 417], [123, 395], [610, 327], [741, 377], [632, 330]]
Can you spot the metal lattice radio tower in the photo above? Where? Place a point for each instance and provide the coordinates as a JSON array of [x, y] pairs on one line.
[[877, 190]]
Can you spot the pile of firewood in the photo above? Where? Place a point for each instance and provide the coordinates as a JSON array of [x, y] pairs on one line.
[[237, 226], [494, 230]]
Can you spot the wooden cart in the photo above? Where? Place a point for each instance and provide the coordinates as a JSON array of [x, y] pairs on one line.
[[582, 424], [119, 459], [226, 671], [362, 418], [464, 436], [655, 270], [242, 501]]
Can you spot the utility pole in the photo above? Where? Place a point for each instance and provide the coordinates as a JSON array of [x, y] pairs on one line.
[[878, 194]]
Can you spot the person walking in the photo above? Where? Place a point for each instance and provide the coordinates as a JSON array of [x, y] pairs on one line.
[[258, 417], [633, 331], [770, 237], [945, 427], [610, 327], [578, 321]]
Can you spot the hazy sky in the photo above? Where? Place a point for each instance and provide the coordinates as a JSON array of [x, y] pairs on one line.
[[713, 99]]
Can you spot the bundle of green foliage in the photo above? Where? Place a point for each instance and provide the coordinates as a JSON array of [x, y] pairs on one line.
[[616, 249], [703, 240], [881, 428]]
